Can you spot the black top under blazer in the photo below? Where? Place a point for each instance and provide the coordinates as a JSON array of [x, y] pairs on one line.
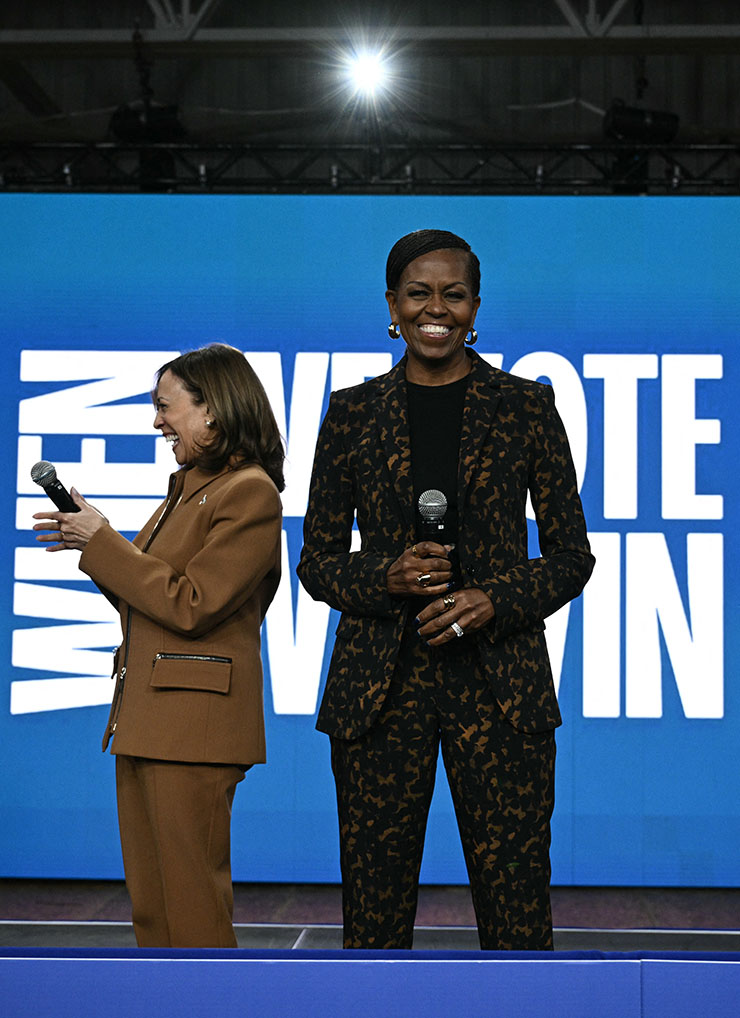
[[512, 441]]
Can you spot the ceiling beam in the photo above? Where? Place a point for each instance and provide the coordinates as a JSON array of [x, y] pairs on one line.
[[601, 26], [570, 16], [185, 20], [18, 80], [174, 40]]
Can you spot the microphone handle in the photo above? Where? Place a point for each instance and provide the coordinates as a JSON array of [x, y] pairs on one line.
[[432, 530], [435, 530], [61, 497]]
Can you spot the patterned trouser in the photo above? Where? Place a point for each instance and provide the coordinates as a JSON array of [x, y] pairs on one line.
[[502, 789]]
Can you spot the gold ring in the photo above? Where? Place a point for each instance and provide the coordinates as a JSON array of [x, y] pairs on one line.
[[414, 551], [449, 600], [423, 578]]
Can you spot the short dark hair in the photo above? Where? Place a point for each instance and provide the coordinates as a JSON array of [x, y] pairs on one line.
[[421, 242], [244, 429]]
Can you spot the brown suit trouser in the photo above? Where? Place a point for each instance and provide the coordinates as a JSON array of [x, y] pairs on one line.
[[502, 785], [175, 824]]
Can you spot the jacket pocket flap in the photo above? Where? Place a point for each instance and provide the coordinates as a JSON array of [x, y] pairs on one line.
[[191, 671]]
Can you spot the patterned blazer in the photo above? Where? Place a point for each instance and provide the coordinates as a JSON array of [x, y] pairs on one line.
[[512, 442]]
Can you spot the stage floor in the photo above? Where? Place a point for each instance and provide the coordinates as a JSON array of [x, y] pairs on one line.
[[69, 913]]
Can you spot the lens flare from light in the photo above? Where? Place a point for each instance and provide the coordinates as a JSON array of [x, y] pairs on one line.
[[368, 73]]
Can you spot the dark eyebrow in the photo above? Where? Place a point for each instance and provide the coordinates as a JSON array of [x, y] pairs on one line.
[[419, 282]]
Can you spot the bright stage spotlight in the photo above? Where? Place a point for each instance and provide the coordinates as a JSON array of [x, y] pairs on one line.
[[368, 73]]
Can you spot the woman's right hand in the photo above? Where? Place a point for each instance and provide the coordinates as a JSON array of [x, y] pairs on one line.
[[70, 530], [423, 569]]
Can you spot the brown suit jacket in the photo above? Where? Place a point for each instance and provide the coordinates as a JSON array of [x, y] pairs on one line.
[[193, 588], [512, 442]]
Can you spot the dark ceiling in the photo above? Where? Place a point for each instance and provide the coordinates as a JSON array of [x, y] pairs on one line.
[[466, 75]]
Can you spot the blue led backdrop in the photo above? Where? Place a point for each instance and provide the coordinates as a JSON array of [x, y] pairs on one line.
[[628, 306]]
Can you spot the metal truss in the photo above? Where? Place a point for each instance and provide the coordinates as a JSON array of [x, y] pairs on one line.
[[185, 28], [361, 169]]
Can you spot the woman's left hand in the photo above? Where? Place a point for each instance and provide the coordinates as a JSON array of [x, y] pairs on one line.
[[459, 612], [69, 530]]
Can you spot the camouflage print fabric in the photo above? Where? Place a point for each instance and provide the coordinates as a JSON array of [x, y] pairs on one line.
[[512, 442], [384, 742], [502, 788]]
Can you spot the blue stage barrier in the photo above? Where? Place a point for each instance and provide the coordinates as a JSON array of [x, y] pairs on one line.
[[691, 988], [365, 984]]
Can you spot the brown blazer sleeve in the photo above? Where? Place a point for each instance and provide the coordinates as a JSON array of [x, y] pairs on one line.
[[238, 551]]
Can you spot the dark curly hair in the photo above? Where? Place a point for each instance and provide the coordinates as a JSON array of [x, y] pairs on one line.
[[421, 242], [244, 429]]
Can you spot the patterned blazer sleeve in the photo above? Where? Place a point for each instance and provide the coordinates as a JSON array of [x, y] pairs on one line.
[[527, 593], [350, 581]]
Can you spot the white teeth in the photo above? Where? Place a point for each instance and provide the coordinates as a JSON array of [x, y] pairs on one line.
[[170, 439], [435, 330]]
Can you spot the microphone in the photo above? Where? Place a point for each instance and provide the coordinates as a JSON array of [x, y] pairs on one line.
[[432, 509], [44, 473]]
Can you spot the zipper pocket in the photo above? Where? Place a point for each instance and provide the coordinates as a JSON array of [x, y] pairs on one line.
[[193, 657], [209, 673]]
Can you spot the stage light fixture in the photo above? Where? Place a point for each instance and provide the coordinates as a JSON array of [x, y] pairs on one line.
[[635, 130], [368, 73], [647, 127]]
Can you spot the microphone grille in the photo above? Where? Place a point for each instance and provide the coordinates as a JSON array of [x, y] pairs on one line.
[[432, 505], [43, 473]]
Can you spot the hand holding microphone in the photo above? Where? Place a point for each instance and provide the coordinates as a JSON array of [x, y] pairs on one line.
[[74, 525], [454, 614], [425, 568], [431, 568]]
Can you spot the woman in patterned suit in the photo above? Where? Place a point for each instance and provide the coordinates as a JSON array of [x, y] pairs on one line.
[[441, 642]]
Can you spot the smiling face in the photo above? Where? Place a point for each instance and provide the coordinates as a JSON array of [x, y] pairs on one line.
[[435, 307], [181, 420]]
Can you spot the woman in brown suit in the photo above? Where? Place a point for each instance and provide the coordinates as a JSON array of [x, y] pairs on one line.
[[192, 590]]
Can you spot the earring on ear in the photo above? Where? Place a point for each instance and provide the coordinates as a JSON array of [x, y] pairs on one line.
[[473, 337], [209, 422], [393, 330]]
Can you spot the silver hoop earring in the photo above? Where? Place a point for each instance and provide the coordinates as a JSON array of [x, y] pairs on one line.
[[473, 337], [393, 330]]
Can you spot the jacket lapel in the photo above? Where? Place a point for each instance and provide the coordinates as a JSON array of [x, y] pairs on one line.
[[391, 415], [481, 402], [197, 479], [183, 485], [392, 420]]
